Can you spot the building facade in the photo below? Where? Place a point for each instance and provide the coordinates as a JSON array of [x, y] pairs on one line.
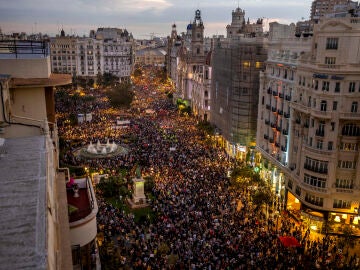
[[108, 50], [236, 64], [193, 75], [34, 218], [318, 159]]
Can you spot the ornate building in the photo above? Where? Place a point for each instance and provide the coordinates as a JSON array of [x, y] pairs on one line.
[[309, 125], [193, 71], [108, 50]]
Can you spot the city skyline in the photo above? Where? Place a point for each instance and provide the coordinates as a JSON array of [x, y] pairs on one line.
[[143, 18]]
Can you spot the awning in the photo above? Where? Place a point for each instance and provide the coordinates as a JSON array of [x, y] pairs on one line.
[[289, 241]]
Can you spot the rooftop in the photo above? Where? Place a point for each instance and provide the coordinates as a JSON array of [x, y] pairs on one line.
[[22, 204]]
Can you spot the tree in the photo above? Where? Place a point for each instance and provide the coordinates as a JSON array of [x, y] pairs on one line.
[[262, 196], [121, 95], [348, 238]]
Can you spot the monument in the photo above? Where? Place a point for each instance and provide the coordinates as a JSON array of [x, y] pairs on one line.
[[138, 199]]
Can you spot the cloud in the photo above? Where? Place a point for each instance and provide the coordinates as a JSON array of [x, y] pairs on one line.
[[140, 16]]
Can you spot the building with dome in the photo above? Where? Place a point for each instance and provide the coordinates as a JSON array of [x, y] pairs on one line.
[[192, 59]]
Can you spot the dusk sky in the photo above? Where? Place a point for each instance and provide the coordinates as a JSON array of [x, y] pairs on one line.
[[140, 17]]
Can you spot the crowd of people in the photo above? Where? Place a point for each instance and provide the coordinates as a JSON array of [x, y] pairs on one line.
[[201, 221]]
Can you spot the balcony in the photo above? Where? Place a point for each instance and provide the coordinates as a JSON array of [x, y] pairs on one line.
[[315, 169], [269, 91], [352, 116], [267, 122], [266, 137], [82, 212], [275, 93], [280, 112], [318, 151], [286, 115], [273, 109], [273, 125], [287, 97], [268, 107], [285, 132], [283, 148], [271, 140], [281, 95], [300, 107], [343, 188], [321, 114], [277, 145], [278, 128]]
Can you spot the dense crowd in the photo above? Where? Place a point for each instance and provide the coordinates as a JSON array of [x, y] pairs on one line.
[[201, 221]]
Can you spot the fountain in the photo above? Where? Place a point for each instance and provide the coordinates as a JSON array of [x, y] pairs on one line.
[[100, 150]]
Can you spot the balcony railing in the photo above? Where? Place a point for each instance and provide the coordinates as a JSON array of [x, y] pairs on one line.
[[287, 97], [283, 148], [281, 95], [21, 48], [274, 93], [286, 115], [285, 132], [266, 137], [315, 169]]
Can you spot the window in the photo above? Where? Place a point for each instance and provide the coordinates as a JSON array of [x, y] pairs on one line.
[[314, 200], [351, 87], [330, 60], [354, 107], [319, 144], [332, 126], [325, 86], [335, 103], [349, 146], [332, 43], [351, 130], [337, 87], [323, 106], [316, 84], [342, 204], [330, 146], [346, 164], [344, 183], [315, 165], [314, 181]]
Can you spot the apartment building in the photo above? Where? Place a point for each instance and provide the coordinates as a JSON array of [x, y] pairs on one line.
[[107, 50], [315, 166], [33, 203], [38, 229], [320, 8], [236, 64]]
